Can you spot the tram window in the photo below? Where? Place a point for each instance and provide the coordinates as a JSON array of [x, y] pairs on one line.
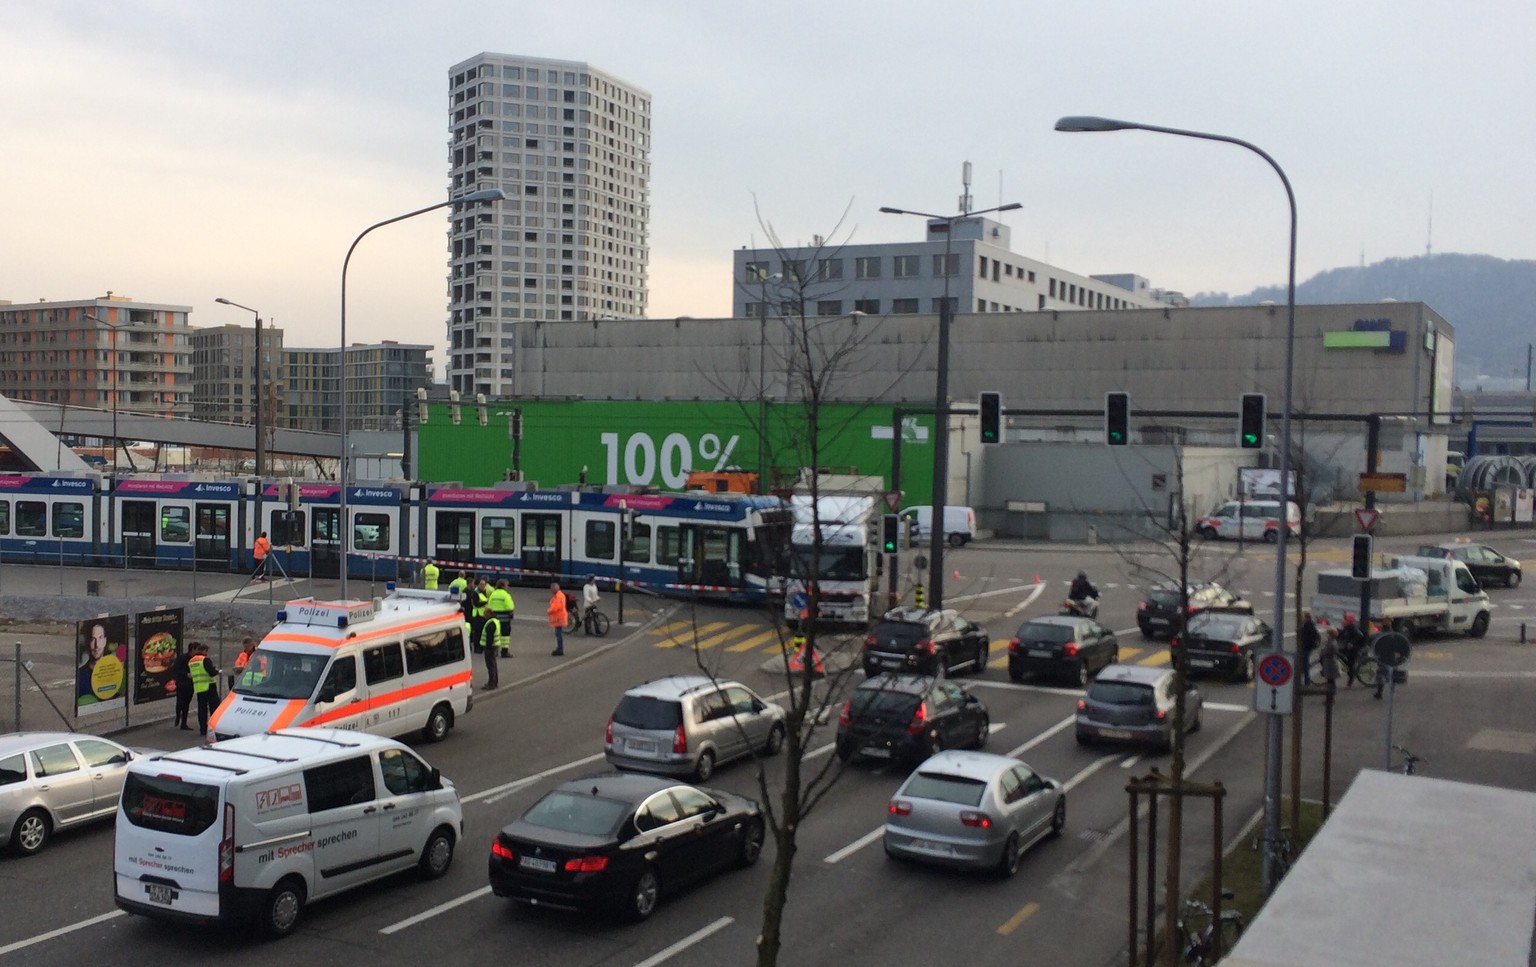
[[639, 549], [669, 545], [600, 539], [31, 518], [68, 520], [288, 528], [175, 525], [498, 535], [370, 532], [5, 516]]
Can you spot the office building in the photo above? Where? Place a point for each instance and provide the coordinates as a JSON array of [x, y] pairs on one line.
[[225, 375], [570, 147], [381, 378]]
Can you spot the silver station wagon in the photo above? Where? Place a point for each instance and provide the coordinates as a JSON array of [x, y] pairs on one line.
[[54, 780]]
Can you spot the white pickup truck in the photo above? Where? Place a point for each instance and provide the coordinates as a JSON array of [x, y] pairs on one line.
[[1413, 594]]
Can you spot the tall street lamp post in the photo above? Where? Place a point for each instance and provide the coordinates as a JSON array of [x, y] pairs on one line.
[[941, 401], [261, 401], [116, 379], [1273, 732], [488, 194]]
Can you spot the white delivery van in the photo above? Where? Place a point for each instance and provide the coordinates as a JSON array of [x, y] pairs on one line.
[[959, 524], [1253, 520], [389, 666], [256, 827]]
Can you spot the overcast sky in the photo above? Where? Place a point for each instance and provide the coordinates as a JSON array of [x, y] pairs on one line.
[[180, 151]]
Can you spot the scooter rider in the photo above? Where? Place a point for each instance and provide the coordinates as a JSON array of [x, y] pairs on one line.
[[1083, 595]]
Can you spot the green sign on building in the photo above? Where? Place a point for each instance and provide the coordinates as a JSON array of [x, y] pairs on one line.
[[656, 443]]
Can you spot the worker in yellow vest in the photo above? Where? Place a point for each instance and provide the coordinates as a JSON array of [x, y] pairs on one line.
[[429, 575], [494, 642], [205, 679]]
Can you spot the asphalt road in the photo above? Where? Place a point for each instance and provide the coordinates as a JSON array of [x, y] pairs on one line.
[[1467, 709]]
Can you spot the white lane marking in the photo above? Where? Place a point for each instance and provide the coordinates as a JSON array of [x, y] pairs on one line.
[[1042, 737], [687, 942], [496, 793], [1076, 780], [855, 846], [23, 944], [1227, 707], [431, 912], [1130, 761], [1033, 596], [1037, 588]]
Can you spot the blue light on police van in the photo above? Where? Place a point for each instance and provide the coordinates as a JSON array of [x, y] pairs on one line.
[[282, 615], [341, 621], [389, 586]]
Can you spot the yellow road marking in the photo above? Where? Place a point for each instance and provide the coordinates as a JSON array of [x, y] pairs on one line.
[[757, 639], [666, 630], [725, 635], [1437, 655], [1000, 661], [1126, 654], [1157, 658], [1014, 922], [710, 628]]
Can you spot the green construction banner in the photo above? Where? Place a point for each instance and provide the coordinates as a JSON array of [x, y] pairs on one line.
[[657, 443]]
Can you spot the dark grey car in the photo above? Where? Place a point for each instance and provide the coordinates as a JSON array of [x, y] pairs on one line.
[[1132, 703], [686, 725], [1061, 646]]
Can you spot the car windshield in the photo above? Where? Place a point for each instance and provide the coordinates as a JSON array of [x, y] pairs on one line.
[[1121, 693], [646, 712], [874, 701], [572, 812], [1165, 597], [956, 789], [280, 674], [1047, 634], [1211, 625], [899, 632]]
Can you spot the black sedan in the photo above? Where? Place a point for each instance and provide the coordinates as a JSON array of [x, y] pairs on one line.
[[910, 717], [1061, 646], [1485, 563], [1222, 644], [1158, 613], [618, 842]]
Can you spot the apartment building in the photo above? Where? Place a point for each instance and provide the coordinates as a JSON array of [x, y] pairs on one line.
[[227, 381]]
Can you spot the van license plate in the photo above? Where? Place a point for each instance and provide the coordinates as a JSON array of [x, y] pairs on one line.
[[160, 893], [536, 863]]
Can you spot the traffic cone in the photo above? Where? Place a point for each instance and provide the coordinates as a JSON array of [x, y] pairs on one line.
[[1037, 577], [797, 657], [957, 574]]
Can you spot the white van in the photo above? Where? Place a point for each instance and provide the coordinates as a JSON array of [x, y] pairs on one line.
[[254, 828], [1251, 519], [959, 524], [388, 666]]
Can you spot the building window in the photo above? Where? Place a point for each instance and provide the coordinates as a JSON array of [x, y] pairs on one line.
[[867, 267], [829, 270], [903, 306], [946, 265], [904, 267], [794, 270], [757, 271], [938, 304], [870, 307], [982, 273], [829, 307]]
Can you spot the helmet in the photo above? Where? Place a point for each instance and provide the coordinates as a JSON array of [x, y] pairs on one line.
[[591, 577], [1082, 575]]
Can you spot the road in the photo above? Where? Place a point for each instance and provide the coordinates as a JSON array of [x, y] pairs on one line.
[[1467, 709]]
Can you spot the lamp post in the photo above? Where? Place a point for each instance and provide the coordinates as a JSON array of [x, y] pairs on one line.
[[941, 399], [488, 194], [116, 379], [1273, 733], [260, 370]]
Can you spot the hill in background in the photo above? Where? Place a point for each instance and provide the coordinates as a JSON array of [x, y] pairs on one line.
[[1491, 302]]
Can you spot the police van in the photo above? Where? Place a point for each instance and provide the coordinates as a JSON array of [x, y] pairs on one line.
[[254, 828], [393, 665]]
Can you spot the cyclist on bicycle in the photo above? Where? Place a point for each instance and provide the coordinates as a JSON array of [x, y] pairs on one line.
[[1351, 646], [589, 601]]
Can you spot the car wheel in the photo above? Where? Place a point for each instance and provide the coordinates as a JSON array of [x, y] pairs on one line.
[[1245, 669], [956, 540], [1271, 537], [1015, 674], [1208, 533], [1081, 676], [775, 740], [1146, 632], [983, 731], [438, 724], [280, 912], [31, 832], [983, 653], [643, 896], [1479, 625], [1082, 738], [1059, 816], [751, 843], [1512, 579], [437, 855], [705, 767], [1008, 863]]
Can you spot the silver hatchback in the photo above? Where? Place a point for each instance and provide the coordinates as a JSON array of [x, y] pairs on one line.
[[54, 780], [685, 725]]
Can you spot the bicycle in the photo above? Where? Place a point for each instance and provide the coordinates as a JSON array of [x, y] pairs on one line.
[[592, 622], [1203, 946], [1410, 761]]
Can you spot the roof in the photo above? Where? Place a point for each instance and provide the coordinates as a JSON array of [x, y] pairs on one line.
[[891, 682], [676, 686], [23, 741], [971, 765], [1133, 673], [629, 786], [1063, 620], [327, 624], [265, 752], [912, 615]]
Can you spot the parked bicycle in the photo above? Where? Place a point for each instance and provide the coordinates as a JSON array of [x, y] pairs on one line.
[[592, 622], [1199, 934], [1410, 761]]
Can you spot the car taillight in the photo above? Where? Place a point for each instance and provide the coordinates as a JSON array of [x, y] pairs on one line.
[[1069, 649], [586, 864], [919, 720], [1082, 705], [899, 808], [1173, 643], [227, 845], [1141, 605], [1161, 714], [926, 647], [680, 740], [608, 732], [1237, 649], [498, 848], [979, 820], [845, 717], [1013, 645], [869, 641]]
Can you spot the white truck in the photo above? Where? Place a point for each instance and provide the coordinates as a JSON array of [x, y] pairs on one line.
[[1410, 595], [847, 509]]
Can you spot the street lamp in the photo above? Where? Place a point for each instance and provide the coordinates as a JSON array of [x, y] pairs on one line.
[[941, 400], [1273, 732], [116, 379], [488, 194], [261, 447]]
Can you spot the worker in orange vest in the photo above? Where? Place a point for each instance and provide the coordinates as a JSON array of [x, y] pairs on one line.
[[260, 551]]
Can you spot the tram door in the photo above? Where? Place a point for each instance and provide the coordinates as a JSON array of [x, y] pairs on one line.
[[719, 552], [541, 543], [212, 530], [454, 535], [325, 542], [139, 520]]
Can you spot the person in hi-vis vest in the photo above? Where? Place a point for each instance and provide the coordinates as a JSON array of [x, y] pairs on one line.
[[205, 684]]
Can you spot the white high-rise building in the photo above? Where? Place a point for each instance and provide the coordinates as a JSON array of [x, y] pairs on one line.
[[570, 147]]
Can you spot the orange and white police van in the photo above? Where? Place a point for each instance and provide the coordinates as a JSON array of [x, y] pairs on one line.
[[389, 666]]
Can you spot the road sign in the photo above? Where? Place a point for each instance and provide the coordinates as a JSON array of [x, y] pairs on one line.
[[1366, 517], [1275, 683], [1384, 483], [892, 500], [1391, 648]]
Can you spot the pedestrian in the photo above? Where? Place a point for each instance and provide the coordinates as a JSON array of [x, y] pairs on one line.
[[243, 660], [499, 605], [1307, 639], [492, 642], [1328, 659], [429, 573], [589, 601], [1351, 643], [205, 684], [181, 676], [458, 586], [558, 616], [262, 548]]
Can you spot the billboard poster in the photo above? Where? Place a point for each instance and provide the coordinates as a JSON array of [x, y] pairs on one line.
[[101, 661], [159, 636]]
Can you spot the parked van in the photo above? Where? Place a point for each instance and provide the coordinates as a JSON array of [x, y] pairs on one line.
[[1252, 519], [959, 524], [389, 666], [252, 829]]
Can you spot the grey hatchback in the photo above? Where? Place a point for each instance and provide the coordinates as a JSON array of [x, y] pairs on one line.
[[1131, 703], [685, 725], [54, 780]]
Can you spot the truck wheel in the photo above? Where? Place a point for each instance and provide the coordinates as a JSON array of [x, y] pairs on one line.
[[280, 912], [1271, 537], [1479, 625]]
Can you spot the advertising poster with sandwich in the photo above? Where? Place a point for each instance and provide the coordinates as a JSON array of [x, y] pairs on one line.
[[159, 637], [101, 662]]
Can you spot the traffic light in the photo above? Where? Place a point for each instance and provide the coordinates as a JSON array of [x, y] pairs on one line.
[[1117, 419], [421, 404], [1251, 432], [890, 530], [991, 417], [453, 406], [1360, 564], [482, 411]]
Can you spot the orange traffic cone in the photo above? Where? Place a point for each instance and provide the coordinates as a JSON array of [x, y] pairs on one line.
[[797, 657], [957, 574], [1037, 577]]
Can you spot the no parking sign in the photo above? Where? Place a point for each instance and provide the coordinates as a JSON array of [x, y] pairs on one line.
[[1274, 683]]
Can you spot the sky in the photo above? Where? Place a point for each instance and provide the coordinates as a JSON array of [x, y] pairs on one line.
[[177, 152]]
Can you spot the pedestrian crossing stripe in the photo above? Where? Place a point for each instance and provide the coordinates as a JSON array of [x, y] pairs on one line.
[[1156, 659], [712, 640], [757, 640], [673, 641]]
